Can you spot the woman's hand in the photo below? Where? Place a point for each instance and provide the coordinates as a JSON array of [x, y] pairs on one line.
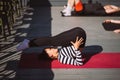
[[77, 43], [107, 21]]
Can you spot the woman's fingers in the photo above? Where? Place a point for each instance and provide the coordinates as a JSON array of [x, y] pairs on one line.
[[77, 38], [72, 42], [81, 39]]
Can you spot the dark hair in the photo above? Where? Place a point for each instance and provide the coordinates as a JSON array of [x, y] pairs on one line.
[[44, 56]]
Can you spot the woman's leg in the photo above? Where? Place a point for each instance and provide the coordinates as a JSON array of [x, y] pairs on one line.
[[72, 3], [42, 41], [64, 38], [67, 11]]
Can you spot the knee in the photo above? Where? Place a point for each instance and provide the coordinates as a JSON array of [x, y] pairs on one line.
[[79, 29]]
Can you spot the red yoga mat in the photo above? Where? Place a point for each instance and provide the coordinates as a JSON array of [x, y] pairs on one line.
[[101, 60]]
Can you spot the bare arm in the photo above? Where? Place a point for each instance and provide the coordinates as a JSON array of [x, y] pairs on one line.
[[115, 21], [112, 21]]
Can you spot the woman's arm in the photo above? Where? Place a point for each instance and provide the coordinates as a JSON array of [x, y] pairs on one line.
[[69, 55], [77, 60], [112, 21], [115, 21]]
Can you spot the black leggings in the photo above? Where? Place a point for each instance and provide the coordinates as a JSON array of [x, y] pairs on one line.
[[94, 9], [111, 26], [62, 39]]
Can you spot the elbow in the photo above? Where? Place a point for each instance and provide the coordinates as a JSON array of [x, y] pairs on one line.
[[80, 64]]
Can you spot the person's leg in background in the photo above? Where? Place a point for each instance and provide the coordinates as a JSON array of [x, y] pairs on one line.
[[71, 6], [68, 9]]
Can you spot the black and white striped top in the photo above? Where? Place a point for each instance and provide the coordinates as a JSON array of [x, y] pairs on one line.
[[69, 55]]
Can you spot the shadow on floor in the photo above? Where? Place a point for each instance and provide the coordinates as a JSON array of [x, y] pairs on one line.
[[90, 51]]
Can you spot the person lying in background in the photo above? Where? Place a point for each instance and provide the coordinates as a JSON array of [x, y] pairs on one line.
[[72, 5], [78, 6], [66, 47], [114, 22]]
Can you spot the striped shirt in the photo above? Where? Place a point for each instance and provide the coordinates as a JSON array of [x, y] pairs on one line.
[[69, 55]]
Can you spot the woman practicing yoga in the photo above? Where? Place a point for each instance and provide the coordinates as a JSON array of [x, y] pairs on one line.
[[66, 46], [93, 8]]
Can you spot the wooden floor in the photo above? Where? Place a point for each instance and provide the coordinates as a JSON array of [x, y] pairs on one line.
[[47, 21]]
